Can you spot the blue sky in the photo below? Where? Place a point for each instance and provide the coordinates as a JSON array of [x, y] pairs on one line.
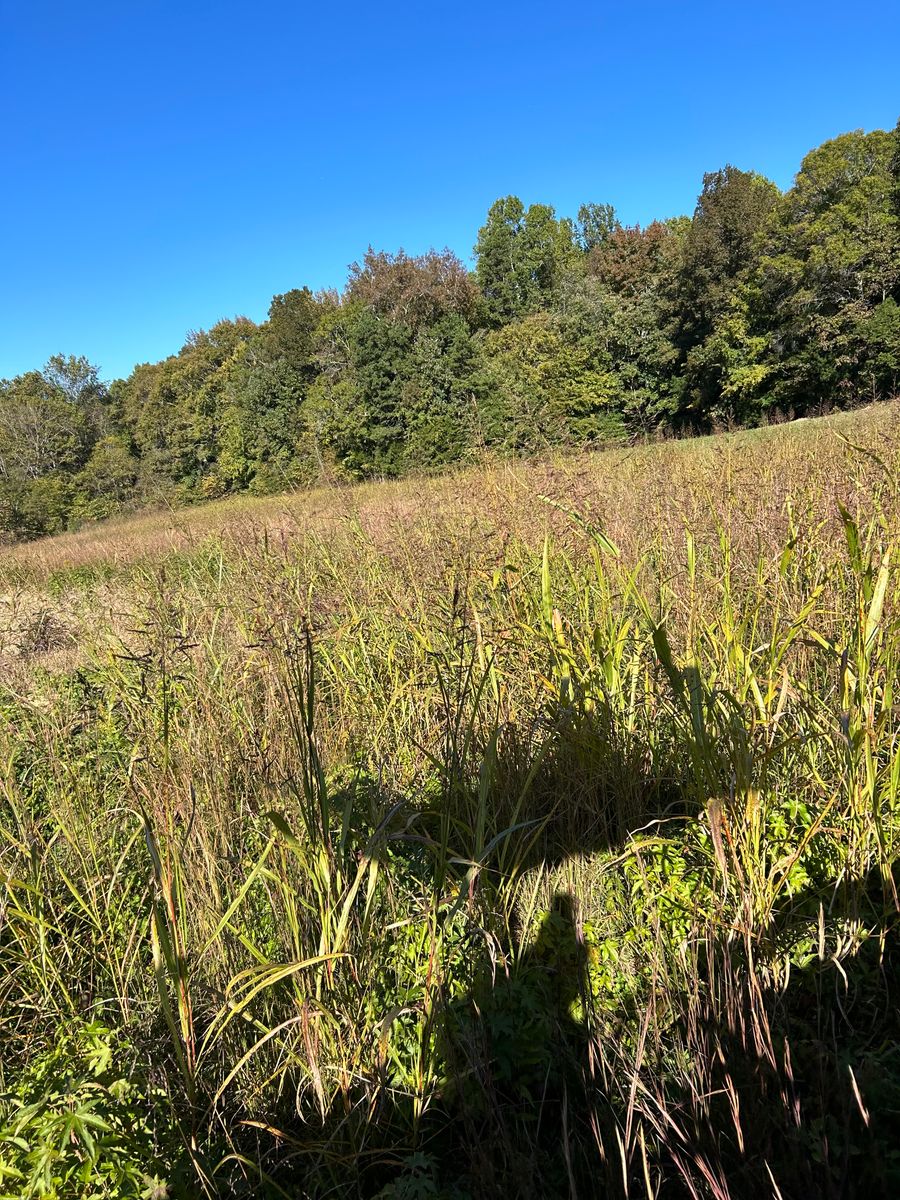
[[166, 164]]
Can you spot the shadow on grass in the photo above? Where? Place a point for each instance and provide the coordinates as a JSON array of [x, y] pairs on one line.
[[738, 1088], [741, 1088], [514, 1114]]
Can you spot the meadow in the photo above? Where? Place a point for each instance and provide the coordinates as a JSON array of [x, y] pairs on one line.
[[524, 831]]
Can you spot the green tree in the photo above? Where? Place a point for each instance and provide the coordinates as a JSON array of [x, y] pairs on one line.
[[262, 439], [521, 257], [445, 382], [76, 379], [262, 427], [398, 367], [626, 306], [289, 334], [720, 245], [107, 481], [880, 337], [49, 421], [596, 223], [367, 425], [720, 248], [545, 388], [172, 410], [830, 256], [41, 431]]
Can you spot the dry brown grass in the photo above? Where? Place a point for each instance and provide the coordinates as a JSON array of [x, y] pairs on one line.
[[360, 549], [692, 741], [638, 494]]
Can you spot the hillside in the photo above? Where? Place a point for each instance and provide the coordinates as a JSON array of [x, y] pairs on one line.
[[526, 830], [622, 480], [462, 516], [569, 332]]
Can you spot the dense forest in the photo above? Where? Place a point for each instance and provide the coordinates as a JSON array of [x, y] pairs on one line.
[[567, 332]]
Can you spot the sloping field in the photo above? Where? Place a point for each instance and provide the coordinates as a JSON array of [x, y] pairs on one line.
[[527, 831], [629, 487]]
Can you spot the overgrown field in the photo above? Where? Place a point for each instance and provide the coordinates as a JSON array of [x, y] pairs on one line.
[[526, 832]]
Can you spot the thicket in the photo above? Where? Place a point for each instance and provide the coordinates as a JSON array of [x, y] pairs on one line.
[[464, 846], [566, 333]]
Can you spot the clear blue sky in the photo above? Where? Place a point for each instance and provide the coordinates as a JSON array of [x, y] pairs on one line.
[[166, 164]]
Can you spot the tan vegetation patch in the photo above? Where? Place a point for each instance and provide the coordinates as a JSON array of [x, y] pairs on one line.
[[558, 796], [631, 491]]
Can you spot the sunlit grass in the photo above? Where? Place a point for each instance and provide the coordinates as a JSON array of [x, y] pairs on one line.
[[526, 828]]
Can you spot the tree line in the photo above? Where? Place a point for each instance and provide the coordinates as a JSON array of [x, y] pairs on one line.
[[567, 332]]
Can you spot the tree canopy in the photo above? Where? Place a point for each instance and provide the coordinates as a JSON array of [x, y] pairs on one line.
[[566, 332]]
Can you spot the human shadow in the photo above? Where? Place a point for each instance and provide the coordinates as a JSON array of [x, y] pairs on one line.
[[512, 1052], [746, 1085], [734, 1083], [511, 1043]]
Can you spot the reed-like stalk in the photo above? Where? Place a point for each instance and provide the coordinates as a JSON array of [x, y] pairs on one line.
[[529, 848]]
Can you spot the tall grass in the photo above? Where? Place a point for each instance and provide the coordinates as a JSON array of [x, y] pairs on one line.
[[537, 839]]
